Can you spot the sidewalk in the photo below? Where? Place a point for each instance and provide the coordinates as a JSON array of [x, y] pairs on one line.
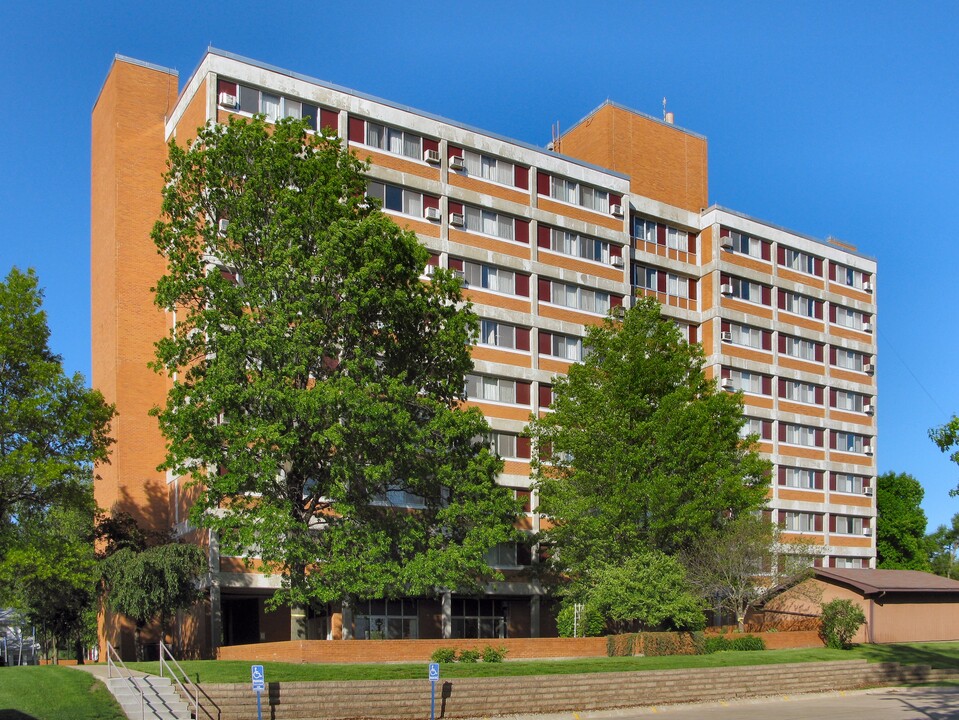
[[100, 670]]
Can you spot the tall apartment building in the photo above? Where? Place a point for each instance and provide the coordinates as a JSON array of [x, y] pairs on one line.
[[548, 242]]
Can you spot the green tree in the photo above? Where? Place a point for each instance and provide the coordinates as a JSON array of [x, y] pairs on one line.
[[647, 591], [52, 428], [942, 547], [316, 376], [737, 566], [153, 584], [946, 438], [839, 621], [640, 450], [901, 523]]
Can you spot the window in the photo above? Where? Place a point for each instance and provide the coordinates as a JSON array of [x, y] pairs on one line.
[[502, 555], [644, 229], [386, 620], [488, 277], [848, 400], [801, 435], [576, 193], [849, 359], [582, 246], [579, 298], [745, 290], [677, 239], [848, 276], [847, 562], [800, 348], [846, 483], [848, 525], [750, 382], [489, 223], [799, 521], [273, 106], [393, 140], [798, 391], [398, 496], [566, 347], [490, 389], [799, 261], [497, 334], [472, 618], [488, 167], [756, 426], [802, 478], [746, 335], [746, 245], [396, 198], [677, 286], [646, 277], [503, 444], [799, 304], [848, 318], [849, 442]]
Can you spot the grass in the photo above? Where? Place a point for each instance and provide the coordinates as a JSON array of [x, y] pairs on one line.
[[943, 655], [54, 693]]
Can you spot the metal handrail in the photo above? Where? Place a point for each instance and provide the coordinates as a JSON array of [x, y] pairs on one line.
[[164, 650], [112, 666]]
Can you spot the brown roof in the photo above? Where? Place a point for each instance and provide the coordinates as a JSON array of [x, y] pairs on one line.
[[874, 582]]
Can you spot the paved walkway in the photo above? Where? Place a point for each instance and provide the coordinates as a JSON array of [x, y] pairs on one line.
[[100, 670]]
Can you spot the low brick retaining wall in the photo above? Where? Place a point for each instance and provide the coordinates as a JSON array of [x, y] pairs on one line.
[[485, 697], [375, 651]]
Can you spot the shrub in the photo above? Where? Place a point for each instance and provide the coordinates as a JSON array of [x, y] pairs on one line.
[[716, 643], [443, 655], [469, 656], [671, 643], [621, 645], [839, 621], [748, 642], [592, 623], [494, 655]]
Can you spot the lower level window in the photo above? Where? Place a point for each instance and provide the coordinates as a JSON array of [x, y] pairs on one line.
[[386, 620], [472, 618], [800, 522], [847, 562]]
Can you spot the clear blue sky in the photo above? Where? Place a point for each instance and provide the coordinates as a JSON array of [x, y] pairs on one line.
[[829, 118]]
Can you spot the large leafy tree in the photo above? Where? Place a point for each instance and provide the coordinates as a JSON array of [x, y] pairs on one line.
[[901, 523], [946, 437], [640, 451], [316, 376], [52, 427], [942, 546]]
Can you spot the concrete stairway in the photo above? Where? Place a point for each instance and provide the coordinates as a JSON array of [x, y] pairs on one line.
[[160, 699]]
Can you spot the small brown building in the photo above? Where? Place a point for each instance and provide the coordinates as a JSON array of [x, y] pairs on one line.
[[900, 605]]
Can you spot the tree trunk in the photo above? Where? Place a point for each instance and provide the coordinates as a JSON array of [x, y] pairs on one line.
[[78, 649], [138, 642]]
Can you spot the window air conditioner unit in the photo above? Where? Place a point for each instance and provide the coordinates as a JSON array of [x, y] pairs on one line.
[[616, 210], [223, 225], [616, 261], [868, 368], [461, 276], [867, 532], [429, 270], [432, 156], [867, 491], [432, 213], [867, 286], [627, 302], [726, 243], [867, 449], [726, 384], [726, 289], [867, 327], [457, 219], [457, 163], [227, 100], [869, 408], [726, 336]]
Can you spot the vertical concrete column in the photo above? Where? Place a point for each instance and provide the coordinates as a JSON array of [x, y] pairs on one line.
[[534, 616], [447, 622]]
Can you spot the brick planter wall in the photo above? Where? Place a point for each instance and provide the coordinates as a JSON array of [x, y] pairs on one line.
[[486, 697]]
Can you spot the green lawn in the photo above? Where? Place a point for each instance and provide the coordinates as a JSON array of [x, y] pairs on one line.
[[54, 693], [944, 655]]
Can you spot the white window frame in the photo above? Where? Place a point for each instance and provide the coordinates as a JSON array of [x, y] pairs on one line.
[[577, 193], [800, 262], [489, 278], [677, 239], [849, 359], [487, 388], [489, 222], [504, 444], [852, 525], [849, 318], [584, 247], [745, 290], [393, 140], [677, 286], [746, 336], [579, 298], [801, 348], [749, 382], [847, 562], [645, 230], [801, 392], [799, 521], [802, 435], [411, 201], [487, 167], [566, 347], [801, 478], [497, 334], [849, 401], [801, 305], [848, 483], [752, 426], [647, 277], [746, 244], [850, 442], [850, 277]]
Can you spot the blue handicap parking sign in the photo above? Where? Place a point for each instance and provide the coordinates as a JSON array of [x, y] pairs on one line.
[[258, 678], [434, 672]]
